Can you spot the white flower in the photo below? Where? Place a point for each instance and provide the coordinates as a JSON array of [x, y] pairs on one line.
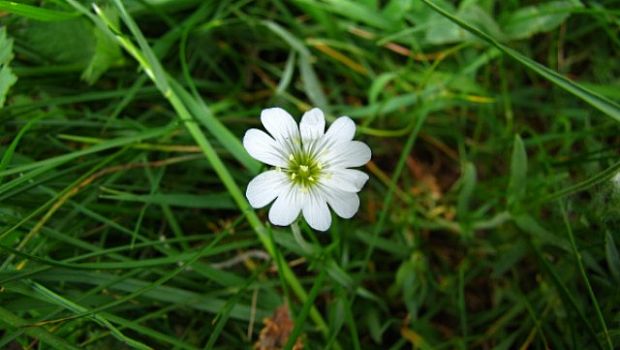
[[311, 167]]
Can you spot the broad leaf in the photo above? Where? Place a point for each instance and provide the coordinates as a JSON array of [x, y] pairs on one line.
[[443, 31], [531, 20], [107, 52], [74, 42]]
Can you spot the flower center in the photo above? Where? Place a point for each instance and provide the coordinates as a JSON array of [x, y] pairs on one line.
[[303, 169]]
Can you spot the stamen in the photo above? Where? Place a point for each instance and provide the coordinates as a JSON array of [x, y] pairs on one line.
[[303, 168]]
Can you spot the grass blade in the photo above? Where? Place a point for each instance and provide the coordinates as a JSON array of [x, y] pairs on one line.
[[36, 13], [603, 104]]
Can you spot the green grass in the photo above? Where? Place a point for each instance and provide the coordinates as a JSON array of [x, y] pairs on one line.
[[491, 218]]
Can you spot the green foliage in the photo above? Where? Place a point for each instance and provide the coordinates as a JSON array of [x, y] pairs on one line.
[[7, 78], [36, 13], [74, 42], [443, 31], [517, 185], [491, 218], [613, 257], [530, 20], [106, 51], [67, 42]]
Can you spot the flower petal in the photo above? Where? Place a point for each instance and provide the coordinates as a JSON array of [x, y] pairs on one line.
[[345, 204], [312, 125], [317, 213], [262, 147], [280, 124], [349, 180], [345, 155], [265, 187], [287, 206], [341, 130]]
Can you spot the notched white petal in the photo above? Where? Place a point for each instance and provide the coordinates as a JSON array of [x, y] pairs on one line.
[[287, 206], [349, 180], [312, 125], [346, 155], [265, 187], [344, 204], [263, 148], [280, 124], [341, 130], [316, 213]]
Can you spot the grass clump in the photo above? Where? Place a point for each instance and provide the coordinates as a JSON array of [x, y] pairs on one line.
[[491, 219]]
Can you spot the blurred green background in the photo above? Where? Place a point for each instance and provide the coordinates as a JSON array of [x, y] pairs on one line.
[[491, 219]]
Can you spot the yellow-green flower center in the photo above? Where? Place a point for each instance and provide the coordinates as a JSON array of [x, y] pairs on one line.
[[303, 169]]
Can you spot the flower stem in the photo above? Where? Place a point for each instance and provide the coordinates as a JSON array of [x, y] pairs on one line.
[[307, 248]]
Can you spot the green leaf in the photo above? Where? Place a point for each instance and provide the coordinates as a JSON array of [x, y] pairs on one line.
[[115, 143], [585, 184], [528, 224], [508, 257], [353, 10], [395, 10], [287, 74], [153, 67], [107, 51], [312, 85], [211, 201], [300, 320], [77, 42], [68, 42], [10, 151], [443, 31], [530, 20], [597, 101], [613, 257], [518, 172], [41, 333], [468, 183], [374, 326], [36, 13], [160, 293], [310, 81], [378, 85], [57, 299], [7, 78], [290, 39], [201, 112], [339, 275]]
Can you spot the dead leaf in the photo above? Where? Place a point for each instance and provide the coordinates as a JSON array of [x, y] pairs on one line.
[[276, 331], [427, 182]]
